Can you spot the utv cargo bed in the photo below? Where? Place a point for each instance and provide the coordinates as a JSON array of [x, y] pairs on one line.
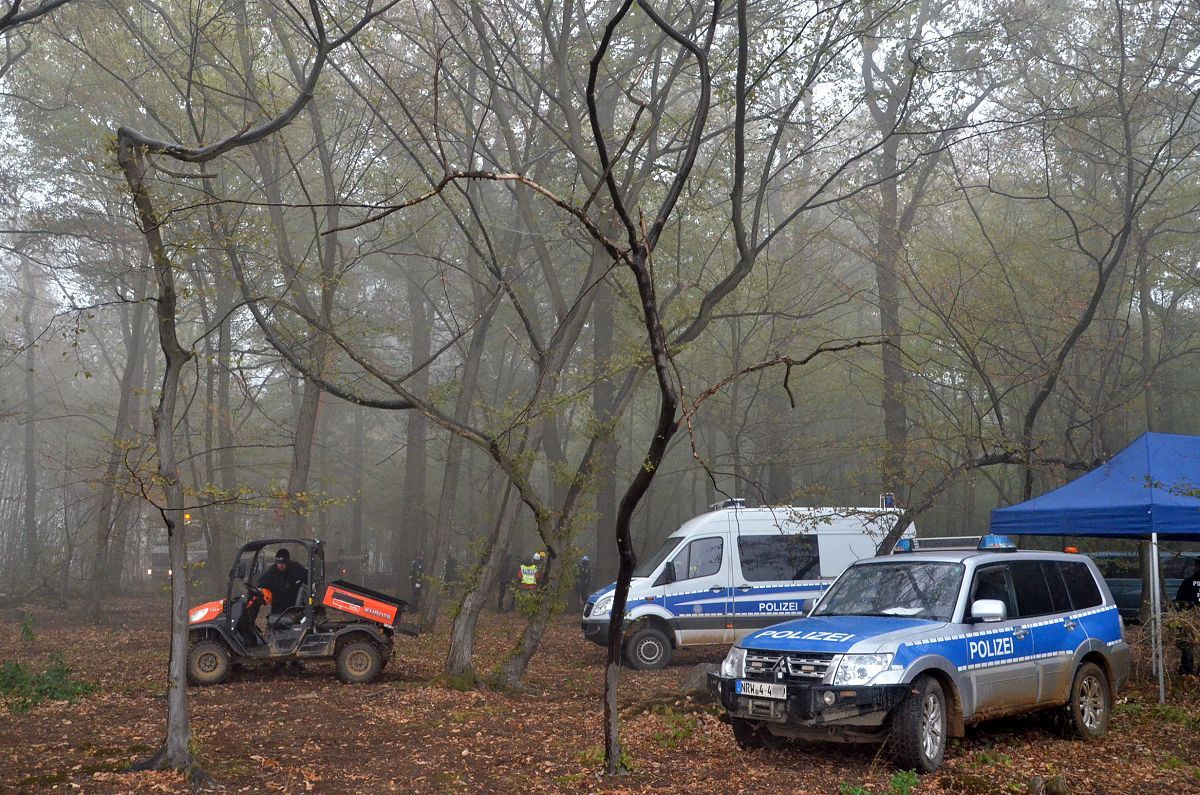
[[362, 602]]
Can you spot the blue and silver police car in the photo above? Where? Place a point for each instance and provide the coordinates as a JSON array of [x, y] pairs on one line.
[[909, 649]]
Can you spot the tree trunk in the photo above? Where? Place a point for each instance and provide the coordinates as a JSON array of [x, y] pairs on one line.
[[295, 513], [603, 392], [354, 545], [460, 660], [176, 752], [127, 407], [413, 534], [32, 551]]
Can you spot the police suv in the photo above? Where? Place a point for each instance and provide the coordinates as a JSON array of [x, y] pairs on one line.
[[733, 570], [910, 648]]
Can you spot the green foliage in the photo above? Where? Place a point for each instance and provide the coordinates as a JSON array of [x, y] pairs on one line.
[[593, 756], [1172, 713], [26, 688], [679, 727], [27, 633], [903, 782], [990, 758]]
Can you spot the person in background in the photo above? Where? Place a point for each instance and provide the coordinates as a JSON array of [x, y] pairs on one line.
[[583, 580], [527, 573], [1188, 598], [505, 584], [416, 579]]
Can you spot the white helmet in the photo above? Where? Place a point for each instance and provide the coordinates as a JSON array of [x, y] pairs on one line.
[[537, 555]]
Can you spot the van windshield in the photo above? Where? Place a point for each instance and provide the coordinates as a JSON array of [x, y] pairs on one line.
[[917, 589], [647, 566]]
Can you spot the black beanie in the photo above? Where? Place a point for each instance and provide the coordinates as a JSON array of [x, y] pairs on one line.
[[282, 555]]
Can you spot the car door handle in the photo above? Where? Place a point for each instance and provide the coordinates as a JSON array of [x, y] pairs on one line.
[[1069, 624], [743, 589], [1020, 633], [716, 589]]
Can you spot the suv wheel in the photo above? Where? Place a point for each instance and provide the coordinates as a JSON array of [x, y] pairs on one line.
[[1090, 706], [919, 727], [208, 663], [751, 734], [358, 662], [647, 649]]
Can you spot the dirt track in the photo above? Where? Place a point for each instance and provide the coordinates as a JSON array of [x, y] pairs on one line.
[[309, 732]]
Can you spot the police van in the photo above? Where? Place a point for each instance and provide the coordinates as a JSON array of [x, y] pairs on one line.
[[733, 570], [908, 649]]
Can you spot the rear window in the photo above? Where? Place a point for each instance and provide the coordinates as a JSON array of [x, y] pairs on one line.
[[1081, 585], [778, 557]]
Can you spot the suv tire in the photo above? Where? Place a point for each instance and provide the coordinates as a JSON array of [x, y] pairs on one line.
[[358, 662], [919, 727], [208, 662], [1090, 706], [751, 734], [647, 649]]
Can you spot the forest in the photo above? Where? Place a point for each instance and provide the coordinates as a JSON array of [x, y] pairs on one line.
[[468, 281]]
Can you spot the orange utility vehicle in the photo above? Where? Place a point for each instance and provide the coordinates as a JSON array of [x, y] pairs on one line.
[[350, 624]]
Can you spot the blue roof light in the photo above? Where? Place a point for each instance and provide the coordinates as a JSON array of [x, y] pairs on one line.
[[995, 543], [904, 545]]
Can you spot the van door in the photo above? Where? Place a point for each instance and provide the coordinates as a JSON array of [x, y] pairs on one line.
[[699, 594], [775, 575]]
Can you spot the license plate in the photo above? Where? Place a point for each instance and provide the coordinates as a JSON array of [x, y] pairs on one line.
[[760, 689]]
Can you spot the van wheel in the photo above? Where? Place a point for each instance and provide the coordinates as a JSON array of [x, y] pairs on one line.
[[358, 662], [919, 727], [208, 663], [647, 649], [1090, 706], [751, 734]]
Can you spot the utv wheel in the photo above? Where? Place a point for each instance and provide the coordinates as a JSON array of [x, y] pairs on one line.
[[359, 662], [647, 649], [751, 734], [919, 727], [1090, 706], [208, 663]]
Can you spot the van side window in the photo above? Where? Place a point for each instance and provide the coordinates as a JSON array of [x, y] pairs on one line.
[[778, 557], [1033, 595], [1081, 585], [700, 558]]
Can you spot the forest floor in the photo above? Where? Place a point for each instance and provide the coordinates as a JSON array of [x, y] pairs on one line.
[[406, 733]]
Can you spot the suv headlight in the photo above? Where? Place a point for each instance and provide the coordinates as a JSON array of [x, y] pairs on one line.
[[734, 664], [858, 669], [602, 607]]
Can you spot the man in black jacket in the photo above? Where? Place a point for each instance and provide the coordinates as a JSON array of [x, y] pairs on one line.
[[1187, 598], [284, 580]]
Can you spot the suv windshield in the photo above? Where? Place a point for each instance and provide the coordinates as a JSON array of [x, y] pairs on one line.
[[916, 589], [647, 566]]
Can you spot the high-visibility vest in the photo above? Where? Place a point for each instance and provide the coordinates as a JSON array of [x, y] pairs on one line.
[[528, 576]]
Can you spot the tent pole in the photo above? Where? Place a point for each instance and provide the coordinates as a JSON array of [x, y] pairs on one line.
[[1156, 617]]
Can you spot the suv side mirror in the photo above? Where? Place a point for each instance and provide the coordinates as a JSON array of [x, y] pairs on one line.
[[988, 610]]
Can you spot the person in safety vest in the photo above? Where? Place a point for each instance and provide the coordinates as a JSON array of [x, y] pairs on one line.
[[1188, 598], [529, 573]]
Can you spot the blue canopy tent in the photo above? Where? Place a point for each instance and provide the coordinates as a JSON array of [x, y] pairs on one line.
[[1147, 491]]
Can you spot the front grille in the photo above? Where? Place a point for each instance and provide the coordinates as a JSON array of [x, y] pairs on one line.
[[796, 668], [587, 609]]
